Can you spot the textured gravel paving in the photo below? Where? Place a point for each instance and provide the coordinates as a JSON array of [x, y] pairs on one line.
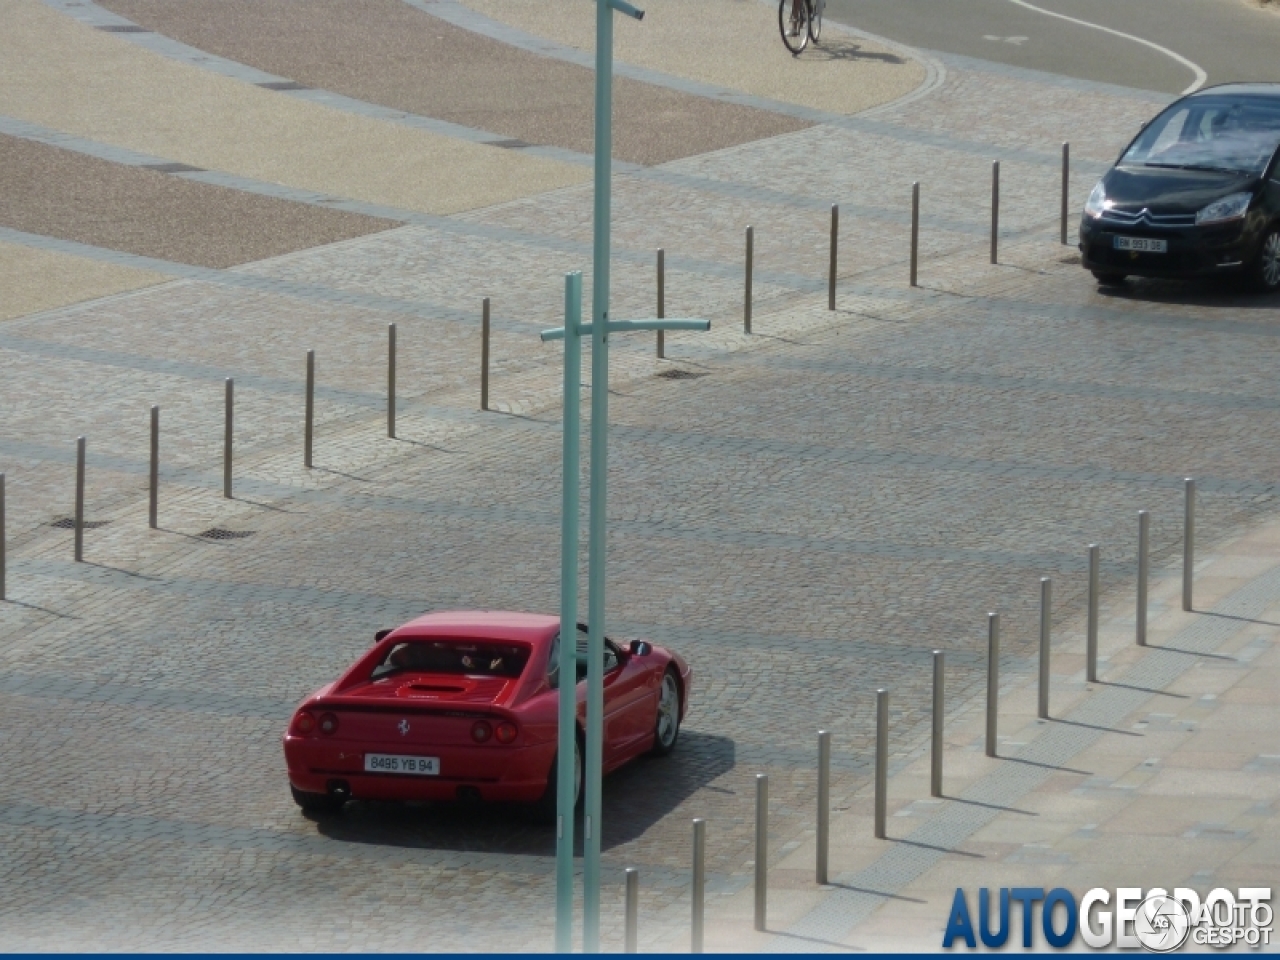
[[75, 197]]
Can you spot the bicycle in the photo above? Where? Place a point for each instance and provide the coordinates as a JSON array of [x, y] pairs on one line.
[[800, 21]]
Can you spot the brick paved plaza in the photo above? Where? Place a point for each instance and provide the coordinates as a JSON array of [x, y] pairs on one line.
[[805, 512]]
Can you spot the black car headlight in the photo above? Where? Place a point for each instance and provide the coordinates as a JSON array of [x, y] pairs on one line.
[[1097, 202], [1232, 207]]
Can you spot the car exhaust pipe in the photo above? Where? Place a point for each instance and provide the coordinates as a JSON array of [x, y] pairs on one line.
[[339, 788]]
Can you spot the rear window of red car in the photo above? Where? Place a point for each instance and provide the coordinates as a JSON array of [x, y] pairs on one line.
[[471, 658]]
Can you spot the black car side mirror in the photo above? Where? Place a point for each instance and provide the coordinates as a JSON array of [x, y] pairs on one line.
[[641, 648], [378, 637]]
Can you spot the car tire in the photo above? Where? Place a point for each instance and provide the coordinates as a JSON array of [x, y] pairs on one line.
[[1106, 279], [319, 803], [666, 724], [545, 810], [1266, 266]]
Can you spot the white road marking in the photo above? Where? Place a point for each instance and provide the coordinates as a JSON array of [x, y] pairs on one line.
[[1201, 76]]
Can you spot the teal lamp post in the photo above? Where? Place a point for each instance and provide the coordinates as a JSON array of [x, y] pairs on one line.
[[572, 332]]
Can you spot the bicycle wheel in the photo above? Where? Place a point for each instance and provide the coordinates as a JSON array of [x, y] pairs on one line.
[[815, 19], [793, 24]]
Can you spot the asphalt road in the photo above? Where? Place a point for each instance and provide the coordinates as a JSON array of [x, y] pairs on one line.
[[1225, 38]]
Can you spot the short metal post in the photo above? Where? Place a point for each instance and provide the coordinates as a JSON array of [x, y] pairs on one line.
[[484, 356], [1188, 542], [993, 680], [762, 849], [1144, 543], [2, 570], [746, 304], [391, 380], [1091, 631], [915, 231], [1066, 187], [309, 430], [699, 890], [882, 759], [662, 301], [226, 438], [831, 268], [824, 803], [995, 210], [939, 716], [1046, 605], [153, 512], [79, 499], [632, 910]]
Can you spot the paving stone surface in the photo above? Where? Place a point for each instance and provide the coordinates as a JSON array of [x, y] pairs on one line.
[[473, 80], [805, 512], [69, 195]]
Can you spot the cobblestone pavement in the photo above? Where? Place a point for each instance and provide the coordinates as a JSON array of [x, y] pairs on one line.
[[805, 513]]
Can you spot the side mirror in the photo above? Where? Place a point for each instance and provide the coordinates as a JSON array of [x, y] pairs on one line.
[[641, 648], [380, 635]]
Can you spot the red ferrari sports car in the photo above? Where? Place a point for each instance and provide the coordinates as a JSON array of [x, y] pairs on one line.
[[463, 705]]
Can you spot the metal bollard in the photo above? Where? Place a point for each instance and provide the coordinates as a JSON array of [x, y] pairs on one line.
[[2, 571], [993, 680], [153, 511], [226, 438], [391, 380], [915, 231], [79, 499], [762, 849], [662, 301], [484, 356], [939, 715], [1066, 187], [1046, 604], [831, 269], [824, 803], [1144, 542], [1091, 631], [995, 209], [632, 910], [746, 304], [699, 891], [309, 429], [1188, 542], [882, 759]]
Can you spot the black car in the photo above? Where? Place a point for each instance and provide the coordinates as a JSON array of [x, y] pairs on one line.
[[1196, 193]]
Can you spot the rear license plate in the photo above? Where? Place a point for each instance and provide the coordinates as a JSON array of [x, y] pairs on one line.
[[390, 763], [1142, 244]]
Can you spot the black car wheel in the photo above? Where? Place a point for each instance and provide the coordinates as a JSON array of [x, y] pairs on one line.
[[547, 809], [1108, 279], [1266, 269], [666, 726], [317, 803]]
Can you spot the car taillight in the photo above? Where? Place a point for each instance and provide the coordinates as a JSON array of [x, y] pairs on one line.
[[505, 732], [304, 722], [328, 723], [481, 731]]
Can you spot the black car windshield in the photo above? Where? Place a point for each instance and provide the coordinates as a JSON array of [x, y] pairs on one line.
[[1210, 133], [457, 657]]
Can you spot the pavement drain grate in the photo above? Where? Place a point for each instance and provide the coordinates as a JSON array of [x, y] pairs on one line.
[[172, 168], [507, 144], [681, 374], [124, 28], [69, 523], [283, 85], [220, 533]]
